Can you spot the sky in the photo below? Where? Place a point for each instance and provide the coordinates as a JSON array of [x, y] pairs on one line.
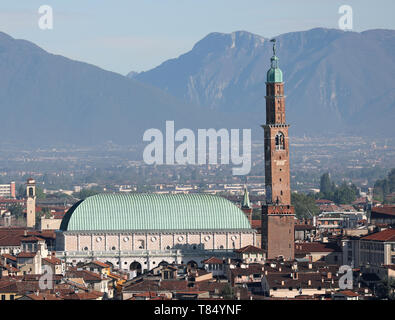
[[137, 35]]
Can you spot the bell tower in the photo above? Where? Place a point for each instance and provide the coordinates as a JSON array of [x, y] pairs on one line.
[[277, 213], [31, 203]]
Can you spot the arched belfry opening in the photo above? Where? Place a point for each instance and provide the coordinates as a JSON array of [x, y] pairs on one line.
[[280, 141]]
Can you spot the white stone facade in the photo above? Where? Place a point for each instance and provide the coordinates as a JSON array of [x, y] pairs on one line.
[[151, 247]]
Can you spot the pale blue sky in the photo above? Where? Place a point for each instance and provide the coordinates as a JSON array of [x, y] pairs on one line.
[[127, 35]]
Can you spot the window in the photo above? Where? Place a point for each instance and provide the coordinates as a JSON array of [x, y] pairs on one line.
[[280, 141]]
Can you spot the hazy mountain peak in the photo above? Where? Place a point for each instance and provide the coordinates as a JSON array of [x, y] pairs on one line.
[[221, 41], [328, 76]]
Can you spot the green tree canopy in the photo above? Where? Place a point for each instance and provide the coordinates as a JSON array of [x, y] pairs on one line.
[[305, 206], [384, 187], [85, 193], [16, 210], [326, 186], [343, 194]]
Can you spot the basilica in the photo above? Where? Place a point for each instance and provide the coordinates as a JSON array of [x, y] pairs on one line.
[[147, 229]]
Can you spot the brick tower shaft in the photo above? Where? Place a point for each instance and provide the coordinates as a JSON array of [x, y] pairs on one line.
[[277, 213]]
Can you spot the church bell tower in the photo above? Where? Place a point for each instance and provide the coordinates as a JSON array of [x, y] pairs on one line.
[[277, 214], [31, 203]]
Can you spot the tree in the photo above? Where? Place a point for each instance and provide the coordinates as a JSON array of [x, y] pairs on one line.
[[345, 194], [326, 186], [45, 212], [384, 187], [85, 193], [227, 292], [21, 191], [40, 193], [16, 210], [386, 289], [304, 205]]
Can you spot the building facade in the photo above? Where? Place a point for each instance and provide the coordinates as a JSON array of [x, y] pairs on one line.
[[376, 249], [7, 190], [277, 214]]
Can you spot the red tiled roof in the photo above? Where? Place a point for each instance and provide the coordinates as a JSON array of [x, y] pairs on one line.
[[26, 255], [323, 201], [173, 285], [99, 263], [52, 260], [308, 247], [387, 210], [43, 296], [92, 295], [213, 260], [31, 239], [249, 249], [9, 257], [85, 274], [386, 235], [349, 293]]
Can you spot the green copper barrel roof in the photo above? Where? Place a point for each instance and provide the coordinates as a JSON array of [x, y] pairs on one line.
[[154, 212]]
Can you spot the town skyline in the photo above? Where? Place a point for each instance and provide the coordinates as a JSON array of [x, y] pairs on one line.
[[246, 169]]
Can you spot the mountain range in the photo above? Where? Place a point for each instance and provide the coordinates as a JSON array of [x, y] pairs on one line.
[[336, 82]]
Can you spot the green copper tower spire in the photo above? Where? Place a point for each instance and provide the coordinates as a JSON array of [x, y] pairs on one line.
[[274, 74], [246, 199]]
